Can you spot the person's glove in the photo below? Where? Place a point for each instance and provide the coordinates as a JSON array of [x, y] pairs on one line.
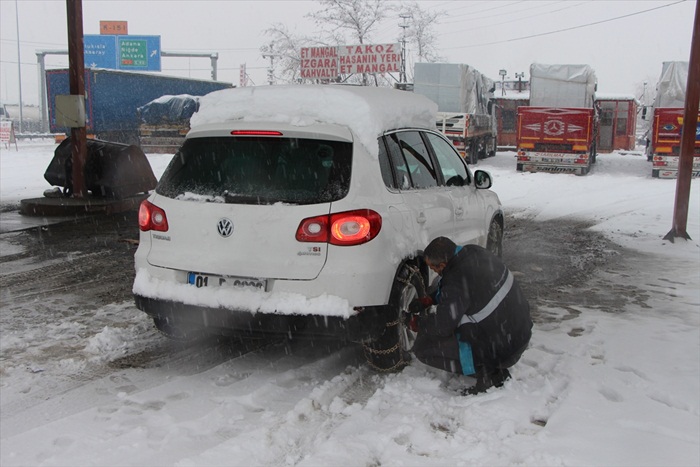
[[418, 305], [413, 323]]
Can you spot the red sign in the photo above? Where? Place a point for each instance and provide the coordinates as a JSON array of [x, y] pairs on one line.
[[114, 27], [329, 62], [319, 62], [377, 58]]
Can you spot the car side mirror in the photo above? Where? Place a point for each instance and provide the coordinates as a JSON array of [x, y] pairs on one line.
[[482, 179]]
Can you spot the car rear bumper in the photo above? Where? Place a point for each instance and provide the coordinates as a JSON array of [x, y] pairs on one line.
[[368, 323]]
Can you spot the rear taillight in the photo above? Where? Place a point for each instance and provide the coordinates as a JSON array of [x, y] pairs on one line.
[[342, 229], [151, 217]]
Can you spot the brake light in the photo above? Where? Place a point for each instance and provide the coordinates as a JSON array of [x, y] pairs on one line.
[[342, 229], [256, 133], [151, 217]]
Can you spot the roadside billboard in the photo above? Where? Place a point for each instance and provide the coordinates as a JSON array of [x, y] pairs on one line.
[[331, 61]]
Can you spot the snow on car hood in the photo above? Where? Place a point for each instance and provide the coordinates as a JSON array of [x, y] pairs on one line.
[[367, 111]]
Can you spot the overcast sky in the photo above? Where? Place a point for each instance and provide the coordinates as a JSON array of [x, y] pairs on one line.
[[624, 41]]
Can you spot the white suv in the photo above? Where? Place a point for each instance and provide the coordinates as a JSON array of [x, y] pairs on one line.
[[303, 210]]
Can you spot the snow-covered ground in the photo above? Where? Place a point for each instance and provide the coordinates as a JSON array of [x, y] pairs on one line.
[[618, 385]]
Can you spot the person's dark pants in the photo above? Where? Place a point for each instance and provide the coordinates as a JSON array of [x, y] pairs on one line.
[[443, 353], [438, 352]]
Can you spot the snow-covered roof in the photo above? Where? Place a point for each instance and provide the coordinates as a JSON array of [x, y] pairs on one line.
[[367, 111]]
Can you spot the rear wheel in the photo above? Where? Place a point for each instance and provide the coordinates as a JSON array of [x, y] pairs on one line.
[[494, 241], [391, 350], [172, 330]]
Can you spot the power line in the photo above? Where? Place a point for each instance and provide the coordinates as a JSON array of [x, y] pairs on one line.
[[509, 12], [520, 18], [563, 30]]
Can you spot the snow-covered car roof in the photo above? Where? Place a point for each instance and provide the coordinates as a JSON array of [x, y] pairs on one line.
[[367, 111]]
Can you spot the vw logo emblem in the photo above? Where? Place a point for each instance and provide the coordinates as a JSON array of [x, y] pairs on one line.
[[225, 227]]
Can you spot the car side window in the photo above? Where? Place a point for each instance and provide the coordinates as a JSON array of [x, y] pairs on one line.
[[403, 178], [385, 165], [417, 156], [453, 169]]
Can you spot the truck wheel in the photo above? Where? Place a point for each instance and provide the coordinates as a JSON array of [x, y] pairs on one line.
[[473, 155], [519, 167], [494, 241], [391, 350], [655, 173]]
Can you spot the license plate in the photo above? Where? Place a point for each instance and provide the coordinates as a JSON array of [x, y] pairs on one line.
[[208, 280]]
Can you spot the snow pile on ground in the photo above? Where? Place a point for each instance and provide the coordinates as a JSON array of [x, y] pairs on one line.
[[367, 111], [614, 385]]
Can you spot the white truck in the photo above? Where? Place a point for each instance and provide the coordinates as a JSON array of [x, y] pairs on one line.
[[463, 97]]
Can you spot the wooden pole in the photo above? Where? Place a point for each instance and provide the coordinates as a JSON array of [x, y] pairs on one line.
[[76, 74], [688, 136]]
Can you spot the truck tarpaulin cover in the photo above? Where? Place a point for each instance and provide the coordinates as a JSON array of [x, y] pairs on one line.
[[454, 87], [112, 170], [562, 85], [169, 110], [670, 90]]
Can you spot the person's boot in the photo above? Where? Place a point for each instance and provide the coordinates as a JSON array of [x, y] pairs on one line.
[[487, 378]]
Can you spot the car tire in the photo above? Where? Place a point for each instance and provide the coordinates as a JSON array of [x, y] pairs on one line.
[[391, 351], [178, 333], [494, 241]]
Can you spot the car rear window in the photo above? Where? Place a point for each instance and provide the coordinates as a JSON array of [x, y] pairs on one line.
[[258, 170]]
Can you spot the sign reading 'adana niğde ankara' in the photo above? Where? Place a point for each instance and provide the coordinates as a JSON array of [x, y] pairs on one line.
[[136, 53]]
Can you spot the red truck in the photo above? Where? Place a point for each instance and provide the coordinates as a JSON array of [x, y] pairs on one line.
[[558, 131], [555, 139], [664, 138], [665, 143]]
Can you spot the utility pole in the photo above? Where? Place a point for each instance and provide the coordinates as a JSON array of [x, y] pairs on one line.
[[76, 73], [19, 72], [271, 69], [688, 136], [404, 25]]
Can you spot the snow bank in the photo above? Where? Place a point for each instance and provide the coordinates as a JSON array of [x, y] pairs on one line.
[[367, 111]]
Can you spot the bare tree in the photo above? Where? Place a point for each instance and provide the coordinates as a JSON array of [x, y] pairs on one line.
[[420, 32], [283, 51], [360, 17]]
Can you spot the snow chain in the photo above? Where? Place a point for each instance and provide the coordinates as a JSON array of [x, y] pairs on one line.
[[402, 362]]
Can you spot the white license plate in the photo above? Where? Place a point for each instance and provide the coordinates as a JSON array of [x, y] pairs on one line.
[[208, 280]]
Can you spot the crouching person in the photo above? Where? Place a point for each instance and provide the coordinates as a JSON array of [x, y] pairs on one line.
[[480, 324]]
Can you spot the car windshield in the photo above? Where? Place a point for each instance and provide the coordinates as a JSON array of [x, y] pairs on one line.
[[258, 170]]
